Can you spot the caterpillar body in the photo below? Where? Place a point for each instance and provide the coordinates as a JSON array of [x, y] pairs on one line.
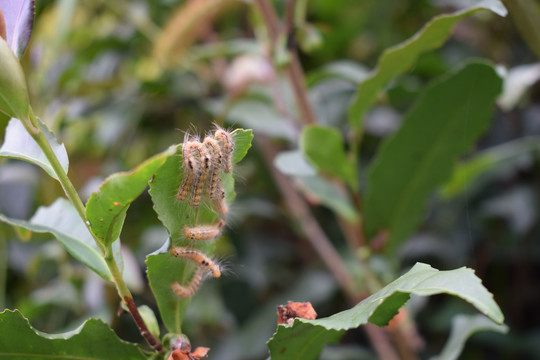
[[216, 159], [204, 168], [227, 147], [204, 232], [191, 170], [202, 261], [188, 290]]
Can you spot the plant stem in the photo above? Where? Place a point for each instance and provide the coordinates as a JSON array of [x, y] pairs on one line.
[[294, 69], [73, 196], [297, 204], [126, 296], [66, 184], [315, 235]]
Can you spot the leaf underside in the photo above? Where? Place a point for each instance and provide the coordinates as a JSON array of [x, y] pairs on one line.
[[379, 308], [18, 144], [61, 220]]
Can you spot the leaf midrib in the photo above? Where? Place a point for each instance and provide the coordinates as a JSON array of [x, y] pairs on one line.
[[413, 182]]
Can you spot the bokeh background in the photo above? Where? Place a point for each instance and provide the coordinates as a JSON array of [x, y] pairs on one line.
[[97, 80]]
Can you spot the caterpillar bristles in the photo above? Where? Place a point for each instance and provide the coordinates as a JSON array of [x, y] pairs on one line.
[[200, 259], [204, 169], [187, 186], [221, 206], [216, 160], [227, 147], [189, 290], [191, 171], [204, 232]]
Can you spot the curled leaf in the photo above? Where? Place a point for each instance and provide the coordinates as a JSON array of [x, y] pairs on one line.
[[19, 21]]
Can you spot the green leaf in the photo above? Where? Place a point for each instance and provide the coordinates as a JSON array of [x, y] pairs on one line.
[[14, 99], [18, 144], [150, 320], [325, 149], [92, 340], [400, 58], [61, 220], [463, 327], [445, 122], [242, 142], [106, 209], [296, 341], [330, 195], [508, 155], [164, 269], [301, 342]]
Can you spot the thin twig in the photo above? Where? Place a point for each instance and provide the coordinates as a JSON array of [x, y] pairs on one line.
[[32, 125], [380, 341], [134, 312], [299, 208], [298, 205], [293, 70]]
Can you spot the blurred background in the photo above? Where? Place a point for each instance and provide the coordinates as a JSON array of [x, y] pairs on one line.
[[119, 81]]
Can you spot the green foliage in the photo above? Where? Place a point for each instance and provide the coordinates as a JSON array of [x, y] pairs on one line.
[[114, 95], [150, 320], [293, 162], [106, 209], [61, 220], [507, 155], [463, 327], [293, 342], [14, 95], [399, 58], [18, 144], [164, 269], [325, 149], [445, 122], [92, 340], [329, 194]]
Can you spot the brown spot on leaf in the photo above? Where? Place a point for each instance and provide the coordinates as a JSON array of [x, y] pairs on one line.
[[287, 313]]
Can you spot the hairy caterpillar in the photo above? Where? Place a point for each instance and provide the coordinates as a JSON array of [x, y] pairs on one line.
[[216, 157], [203, 261], [200, 179], [221, 206], [227, 147], [191, 170], [190, 289], [204, 232]]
